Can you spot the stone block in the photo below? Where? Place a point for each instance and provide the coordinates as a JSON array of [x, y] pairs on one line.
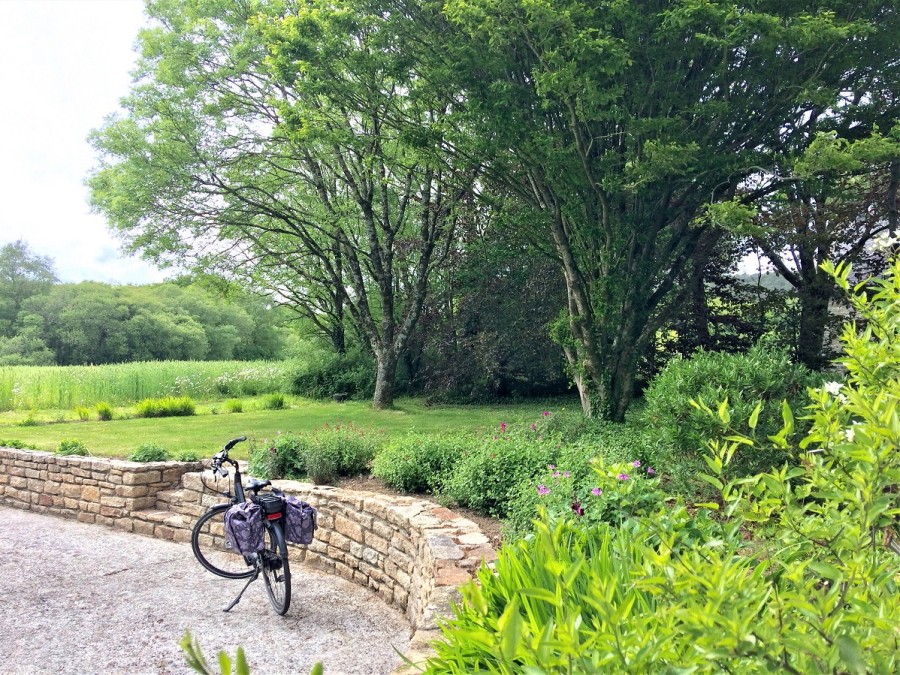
[[90, 493], [18, 482], [132, 490], [348, 528], [141, 478], [86, 517], [125, 524], [380, 544], [143, 527], [182, 536], [115, 502], [163, 532]]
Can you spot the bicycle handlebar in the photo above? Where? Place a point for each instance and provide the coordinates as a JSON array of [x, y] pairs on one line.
[[222, 455]]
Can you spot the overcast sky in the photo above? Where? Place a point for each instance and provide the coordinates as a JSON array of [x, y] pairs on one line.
[[64, 65]]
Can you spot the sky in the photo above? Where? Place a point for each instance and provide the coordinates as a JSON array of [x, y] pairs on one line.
[[64, 65]]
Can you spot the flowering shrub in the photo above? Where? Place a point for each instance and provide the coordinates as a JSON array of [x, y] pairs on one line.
[[798, 573], [591, 492]]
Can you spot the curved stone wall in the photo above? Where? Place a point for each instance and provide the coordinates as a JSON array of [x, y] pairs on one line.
[[412, 552]]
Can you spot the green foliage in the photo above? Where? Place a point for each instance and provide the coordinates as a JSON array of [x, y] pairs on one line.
[[197, 661], [104, 411], [332, 374], [283, 457], [342, 450], [321, 456], [16, 444], [84, 413], [168, 406], [587, 489], [234, 405], [149, 452], [418, 462], [797, 572], [489, 470], [188, 456], [761, 375], [274, 401], [71, 446]]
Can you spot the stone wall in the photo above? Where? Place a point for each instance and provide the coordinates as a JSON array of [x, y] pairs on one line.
[[411, 552]]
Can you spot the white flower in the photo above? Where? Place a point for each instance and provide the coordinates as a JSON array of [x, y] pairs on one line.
[[849, 434], [833, 388], [884, 242]]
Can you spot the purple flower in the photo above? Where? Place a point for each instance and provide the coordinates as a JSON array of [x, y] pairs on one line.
[[566, 474], [576, 507], [596, 492], [623, 476], [546, 413], [556, 474], [543, 490], [502, 427], [551, 466], [650, 471], [636, 463]]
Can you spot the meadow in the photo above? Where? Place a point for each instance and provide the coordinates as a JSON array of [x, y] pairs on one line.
[[66, 387]]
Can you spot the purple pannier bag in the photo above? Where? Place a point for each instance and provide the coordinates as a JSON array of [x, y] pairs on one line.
[[244, 528], [300, 523]]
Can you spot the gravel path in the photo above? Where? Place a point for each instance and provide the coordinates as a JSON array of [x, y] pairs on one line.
[[78, 598]]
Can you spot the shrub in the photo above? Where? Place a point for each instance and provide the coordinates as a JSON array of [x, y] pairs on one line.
[[234, 405], [761, 375], [326, 374], [796, 573], [149, 452], [418, 462], [274, 401], [83, 412], [489, 470], [188, 456], [168, 406], [16, 444], [283, 457], [104, 411], [342, 450], [71, 446]]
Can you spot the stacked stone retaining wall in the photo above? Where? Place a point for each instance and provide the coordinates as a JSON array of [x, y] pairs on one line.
[[411, 552]]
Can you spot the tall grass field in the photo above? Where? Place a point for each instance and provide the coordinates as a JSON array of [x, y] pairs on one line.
[[64, 387]]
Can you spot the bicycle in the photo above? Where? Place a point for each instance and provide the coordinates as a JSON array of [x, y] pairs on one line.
[[213, 553]]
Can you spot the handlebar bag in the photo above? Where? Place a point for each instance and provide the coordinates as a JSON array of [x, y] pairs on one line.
[[300, 523], [244, 528]]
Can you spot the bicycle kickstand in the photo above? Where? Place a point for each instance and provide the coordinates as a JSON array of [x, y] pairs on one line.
[[238, 598]]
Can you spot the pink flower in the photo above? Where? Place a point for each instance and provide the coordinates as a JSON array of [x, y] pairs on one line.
[[565, 474], [533, 426], [551, 466], [596, 492], [576, 507], [623, 476], [556, 474], [650, 471], [636, 463], [543, 490], [502, 427], [546, 413]]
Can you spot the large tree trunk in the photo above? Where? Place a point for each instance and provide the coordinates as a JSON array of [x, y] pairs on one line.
[[385, 375], [814, 298]]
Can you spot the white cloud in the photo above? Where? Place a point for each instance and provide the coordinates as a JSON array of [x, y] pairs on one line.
[[64, 65]]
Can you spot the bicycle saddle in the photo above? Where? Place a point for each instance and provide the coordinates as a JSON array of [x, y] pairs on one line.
[[257, 485]]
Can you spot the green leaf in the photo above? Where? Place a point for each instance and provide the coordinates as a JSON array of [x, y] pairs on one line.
[[540, 594], [754, 416], [707, 505], [724, 413], [510, 627], [851, 654], [715, 482], [224, 663], [241, 667], [825, 569], [788, 416], [317, 669]]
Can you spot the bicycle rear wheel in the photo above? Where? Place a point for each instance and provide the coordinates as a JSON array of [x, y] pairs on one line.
[[276, 569], [212, 551]]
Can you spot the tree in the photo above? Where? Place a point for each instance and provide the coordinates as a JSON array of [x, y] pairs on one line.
[[619, 122], [841, 195], [22, 275], [256, 140]]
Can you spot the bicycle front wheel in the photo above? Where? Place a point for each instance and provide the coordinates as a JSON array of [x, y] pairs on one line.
[[211, 549], [276, 569]]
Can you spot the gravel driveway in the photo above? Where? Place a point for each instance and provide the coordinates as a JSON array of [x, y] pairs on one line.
[[78, 598]]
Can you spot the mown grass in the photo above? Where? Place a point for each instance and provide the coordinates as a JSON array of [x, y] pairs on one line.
[[205, 433], [65, 387]]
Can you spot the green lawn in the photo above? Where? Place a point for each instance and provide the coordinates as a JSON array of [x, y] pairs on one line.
[[206, 432]]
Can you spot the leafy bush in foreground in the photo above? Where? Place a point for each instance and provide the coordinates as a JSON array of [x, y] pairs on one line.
[[71, 446], [814, 589]]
